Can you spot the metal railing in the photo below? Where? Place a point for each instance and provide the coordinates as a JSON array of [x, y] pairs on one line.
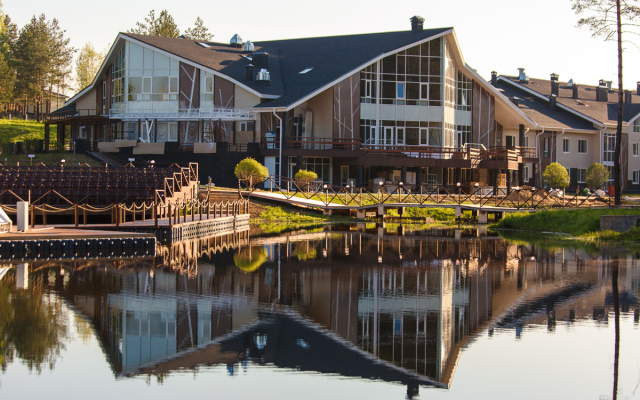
[[216, 113]]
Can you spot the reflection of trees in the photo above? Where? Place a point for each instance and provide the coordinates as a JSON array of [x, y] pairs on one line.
[[250, 258], [83, 328], [32, 327], [304, 252]]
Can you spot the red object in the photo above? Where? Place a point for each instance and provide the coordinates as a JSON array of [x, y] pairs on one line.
[[612, 190]]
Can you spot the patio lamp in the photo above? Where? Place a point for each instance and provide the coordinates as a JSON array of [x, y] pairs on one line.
[[62, 163]]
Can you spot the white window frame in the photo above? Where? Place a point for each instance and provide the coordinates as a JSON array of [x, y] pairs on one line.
[[427, 91], [636, 177], [146, 79], [177, 85], [513, 140], [581, 175], [206, 84], [403, 95], [526, 173], [635, 149], [566, 145], [526, 142], [169, 130], [586, 146], [545, 142]]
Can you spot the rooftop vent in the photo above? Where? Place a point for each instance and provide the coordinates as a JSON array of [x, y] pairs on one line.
[[249, 72], [522, 77], [609, 83], [494, 78], [628, 97], [183, 36], [570, 83], [555, 77], [417, 24], [263, 76], [553, 99], [205, 45], [248, 47], [601, 91], [304, 71], [574, 88], [236, 41], [515, 100], [638, 88], [260, 60]]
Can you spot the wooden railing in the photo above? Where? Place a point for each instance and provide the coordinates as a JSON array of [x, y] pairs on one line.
[[169, 214], [417, 195], [53, 117]]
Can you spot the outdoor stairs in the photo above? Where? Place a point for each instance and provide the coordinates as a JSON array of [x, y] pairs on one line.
[[106, 158]]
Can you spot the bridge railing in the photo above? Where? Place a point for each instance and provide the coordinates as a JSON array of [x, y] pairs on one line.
[[519, 198]]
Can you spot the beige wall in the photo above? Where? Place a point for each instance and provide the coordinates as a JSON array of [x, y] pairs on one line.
[[244, 99], [87, 102], [573, 159], [322, 107]]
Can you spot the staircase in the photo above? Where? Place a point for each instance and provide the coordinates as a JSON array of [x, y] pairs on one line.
[[106, 158]]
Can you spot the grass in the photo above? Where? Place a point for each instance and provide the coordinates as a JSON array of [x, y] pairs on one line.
[[577, 224], [50, 159], [16, 130], [274, 220]]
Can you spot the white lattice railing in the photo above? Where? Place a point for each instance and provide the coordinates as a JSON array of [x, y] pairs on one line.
[[226, 114]]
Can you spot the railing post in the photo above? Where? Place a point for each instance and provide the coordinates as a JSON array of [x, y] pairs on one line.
[[75, 214], [84, 214], [44, 214], [117, 208], [33, 215], [155, 213]]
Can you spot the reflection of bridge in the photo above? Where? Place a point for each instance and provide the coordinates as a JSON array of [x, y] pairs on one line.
[[477, 199]]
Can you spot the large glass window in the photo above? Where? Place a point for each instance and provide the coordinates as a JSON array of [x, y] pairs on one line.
[[412, 77], [609, 146], [464, 135], [463, 92], [151, 76], [319, 165]]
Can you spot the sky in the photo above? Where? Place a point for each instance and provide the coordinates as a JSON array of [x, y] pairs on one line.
[[500, 35]]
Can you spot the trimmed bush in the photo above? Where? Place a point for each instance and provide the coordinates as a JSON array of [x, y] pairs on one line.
[[597, 176], [249, 171], [556, 176], [305, 178]]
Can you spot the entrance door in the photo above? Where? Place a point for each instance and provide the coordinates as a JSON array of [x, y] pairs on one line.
[[389, 136]]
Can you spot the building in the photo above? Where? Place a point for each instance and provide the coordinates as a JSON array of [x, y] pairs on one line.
[[576, 125], [356, 109]]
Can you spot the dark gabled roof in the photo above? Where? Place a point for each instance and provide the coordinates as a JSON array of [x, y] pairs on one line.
[[69, 109], [586, 104], [538, 110], [330, 57]]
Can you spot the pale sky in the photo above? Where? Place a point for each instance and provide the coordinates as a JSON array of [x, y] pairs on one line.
[[499, 35]]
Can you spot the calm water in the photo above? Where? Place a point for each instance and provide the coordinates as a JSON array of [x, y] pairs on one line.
[[369, 314]]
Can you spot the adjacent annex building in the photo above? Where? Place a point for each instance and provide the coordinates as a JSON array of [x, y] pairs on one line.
[[576, 126], [356, 109]]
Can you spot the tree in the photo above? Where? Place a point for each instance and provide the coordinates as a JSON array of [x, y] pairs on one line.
[[556, 176], [199, 31], [87, 66], [606, 19], [164, 25], [42, 56], [304, 177], [251, 172], [7, 70], [597, 175]]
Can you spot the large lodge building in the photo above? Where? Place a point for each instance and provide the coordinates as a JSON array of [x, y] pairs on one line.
[[356, 109]]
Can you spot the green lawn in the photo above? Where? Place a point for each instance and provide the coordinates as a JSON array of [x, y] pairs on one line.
[[16, 130]]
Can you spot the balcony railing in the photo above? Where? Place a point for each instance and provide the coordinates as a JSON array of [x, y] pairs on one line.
[[71, 114], [216, 113]]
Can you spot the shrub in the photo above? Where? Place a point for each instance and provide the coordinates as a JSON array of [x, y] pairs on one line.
[[556, 176], [597, 175], [251, 172], [304, 177]]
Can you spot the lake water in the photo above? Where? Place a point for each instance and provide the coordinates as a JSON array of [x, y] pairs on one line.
[[390, 313]]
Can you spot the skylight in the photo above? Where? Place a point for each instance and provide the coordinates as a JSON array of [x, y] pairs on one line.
[[304, 71], [204, 45]]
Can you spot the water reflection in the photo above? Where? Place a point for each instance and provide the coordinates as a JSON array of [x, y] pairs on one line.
[[364, 304]]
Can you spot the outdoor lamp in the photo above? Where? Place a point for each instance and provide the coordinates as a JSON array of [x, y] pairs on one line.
[[325, 186], [477, 184], [62, 163], [401, 183], [347, 187], [381, 183], [458, 184]]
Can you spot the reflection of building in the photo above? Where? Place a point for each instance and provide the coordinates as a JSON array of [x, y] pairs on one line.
[[411, 315]]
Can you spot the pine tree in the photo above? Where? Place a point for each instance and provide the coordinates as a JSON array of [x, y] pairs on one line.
[[199, 31], [164, 25]]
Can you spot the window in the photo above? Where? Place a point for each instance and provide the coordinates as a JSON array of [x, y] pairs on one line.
[[208, 84], [609, 146], [368, 83], [511, 141], [245, 126], [546, 147], [319, 165], [636, 125], [432, 179], [526, 142], [582, 146], [526, 173], [610, 169], [635, 149], [566, 145], [400, 91], [636, 177], [344, 175], [582, 173], [464, 135], [463, 92]]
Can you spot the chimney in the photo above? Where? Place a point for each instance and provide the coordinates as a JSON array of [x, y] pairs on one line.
[[628, 97], [261, 60], [609, 86], [522, 77], [249, 72], [553, 99], [247, 47], [555, 88], [417, 23], [601, 91], [638, 88], [494, 78], [515, 100], [555, 77], [575, 90]]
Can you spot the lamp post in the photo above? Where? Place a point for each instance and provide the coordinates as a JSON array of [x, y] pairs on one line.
[[62, 164]]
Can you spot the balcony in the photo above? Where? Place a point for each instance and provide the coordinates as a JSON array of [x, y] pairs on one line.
[[216, 113]]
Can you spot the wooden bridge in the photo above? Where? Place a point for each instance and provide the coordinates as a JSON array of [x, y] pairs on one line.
[[480, 200]]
